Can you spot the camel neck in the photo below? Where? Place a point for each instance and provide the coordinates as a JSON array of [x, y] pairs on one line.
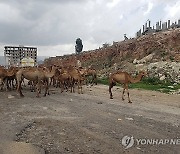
[[135, 80], [51, 74]]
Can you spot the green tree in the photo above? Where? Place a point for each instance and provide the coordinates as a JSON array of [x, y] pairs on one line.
[[78, 46]]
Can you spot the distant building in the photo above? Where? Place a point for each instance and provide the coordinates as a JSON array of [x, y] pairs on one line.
[[15, 54], [160, 26]]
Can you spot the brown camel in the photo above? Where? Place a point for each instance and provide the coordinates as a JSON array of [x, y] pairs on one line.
[[36, 75], [54, 79], [76, 77], [123, 78], [92, 72], [11, 79], [64, 79], [4, 75]]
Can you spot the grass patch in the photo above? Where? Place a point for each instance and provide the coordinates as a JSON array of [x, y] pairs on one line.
[[103, 81], [153, 84]]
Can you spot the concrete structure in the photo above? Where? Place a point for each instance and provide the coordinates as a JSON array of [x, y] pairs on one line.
[[164, 26], [146, 28], [169, 24], [14, 54]]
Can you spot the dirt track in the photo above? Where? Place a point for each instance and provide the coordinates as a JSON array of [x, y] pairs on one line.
[[91, 122]]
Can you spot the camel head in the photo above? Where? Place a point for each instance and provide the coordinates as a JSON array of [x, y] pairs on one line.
[[83, 71], [54, 67], [143, 73]]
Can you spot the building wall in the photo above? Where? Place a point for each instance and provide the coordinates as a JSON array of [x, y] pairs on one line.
[[14, 55]]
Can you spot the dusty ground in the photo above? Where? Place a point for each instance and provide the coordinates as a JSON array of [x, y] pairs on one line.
[[90, 122]]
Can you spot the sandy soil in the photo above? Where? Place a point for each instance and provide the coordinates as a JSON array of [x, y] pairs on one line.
[[90, 122]]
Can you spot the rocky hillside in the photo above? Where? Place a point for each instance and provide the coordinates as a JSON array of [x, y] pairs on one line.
[[157, 52]]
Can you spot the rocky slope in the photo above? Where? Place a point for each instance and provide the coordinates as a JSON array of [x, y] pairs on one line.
[[158, 52]]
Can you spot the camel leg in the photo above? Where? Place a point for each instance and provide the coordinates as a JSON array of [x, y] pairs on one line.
[[57, 83], [110, 92], [13, 84], [10, 84], [50, 81], [124, 88], [129, 101], [46, 87], [19, 89], [73, 85], [62, 86], [92, 81], [38, 88], [23, 82], [54, 82], [2, 83], [95, 79], [86, 81], [6, 84], [66, 85], [78, 87], [34, 86], [81, 88]]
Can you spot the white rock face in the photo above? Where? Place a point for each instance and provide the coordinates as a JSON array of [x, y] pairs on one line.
[[162, 70], [162, 77], [144, 60]]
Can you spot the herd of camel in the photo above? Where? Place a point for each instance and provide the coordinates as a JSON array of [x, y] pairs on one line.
[[58, 76]]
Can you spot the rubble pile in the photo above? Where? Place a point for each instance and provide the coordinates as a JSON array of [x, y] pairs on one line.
[[163, 70]]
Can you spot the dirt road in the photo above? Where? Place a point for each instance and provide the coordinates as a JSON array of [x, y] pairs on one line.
[[91, 122]]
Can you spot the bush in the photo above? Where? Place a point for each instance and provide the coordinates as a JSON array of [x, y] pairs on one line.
[[103, 81], [152, 80]]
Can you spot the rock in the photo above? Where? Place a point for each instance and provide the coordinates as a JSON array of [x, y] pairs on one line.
[[135, 61], [162, 78], [45, 108], [10, 96], [129, 118], [171, 87], [144, 60], [140, 66], [164, 71]]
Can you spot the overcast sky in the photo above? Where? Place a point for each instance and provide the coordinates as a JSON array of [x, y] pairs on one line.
[[53, 25]]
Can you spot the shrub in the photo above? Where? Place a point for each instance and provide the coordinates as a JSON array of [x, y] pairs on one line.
[[152, 80]]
